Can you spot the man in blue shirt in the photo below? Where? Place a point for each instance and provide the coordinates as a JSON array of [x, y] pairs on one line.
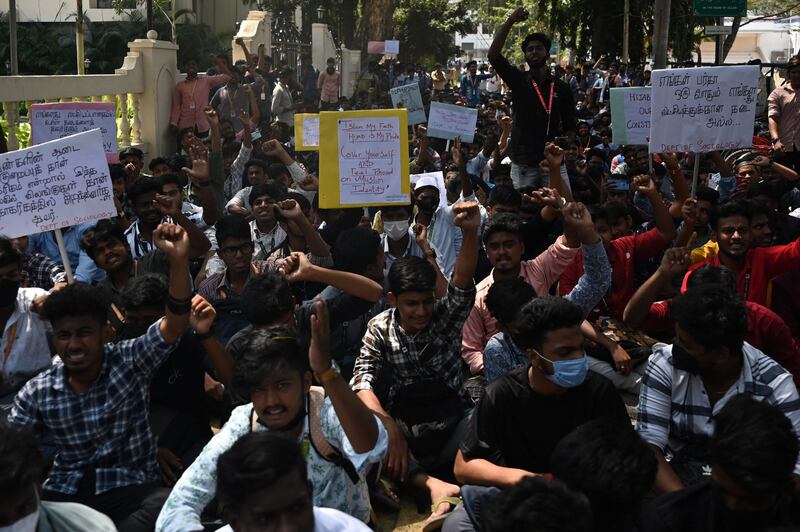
[[471, 84], [83, 267]]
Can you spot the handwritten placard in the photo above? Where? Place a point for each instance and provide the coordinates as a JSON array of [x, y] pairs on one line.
[[365, 162], [54, 185], [391, 47], [376, 47], [703, 109], [306, 132], [448, 121], [409, 97], [51, 121], [630, 115]]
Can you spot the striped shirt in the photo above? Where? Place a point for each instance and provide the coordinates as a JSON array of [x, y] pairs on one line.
[[140, 247], [674, 410]]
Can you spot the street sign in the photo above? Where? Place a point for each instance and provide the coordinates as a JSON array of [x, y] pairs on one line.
[[718, 30], [720, 8]]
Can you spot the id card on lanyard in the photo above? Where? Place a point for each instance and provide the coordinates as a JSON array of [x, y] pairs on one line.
[[548, 108]]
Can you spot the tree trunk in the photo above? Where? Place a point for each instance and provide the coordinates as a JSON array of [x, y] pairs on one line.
[[728, 44], [376, 21], [348, 23]]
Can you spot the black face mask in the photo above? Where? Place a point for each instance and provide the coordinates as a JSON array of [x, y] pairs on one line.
[[8, 292], [595, 172], [132, 329], [683, 360], [427, 205]]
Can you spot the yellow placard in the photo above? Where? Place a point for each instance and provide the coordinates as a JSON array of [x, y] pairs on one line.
[[364, 159], [306, 132]]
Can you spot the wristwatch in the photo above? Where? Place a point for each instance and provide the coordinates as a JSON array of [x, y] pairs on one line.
[[775, 139], [430, 254]]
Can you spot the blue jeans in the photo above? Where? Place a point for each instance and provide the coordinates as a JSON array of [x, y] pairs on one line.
[[467, 516]]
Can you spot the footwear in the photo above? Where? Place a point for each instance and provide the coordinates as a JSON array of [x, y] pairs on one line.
[[435, 522]]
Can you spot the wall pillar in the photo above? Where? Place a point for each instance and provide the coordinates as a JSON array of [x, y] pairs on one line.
[[255, 29], [351, 68]]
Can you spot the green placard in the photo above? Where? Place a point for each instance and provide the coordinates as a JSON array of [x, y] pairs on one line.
[[720, 8]]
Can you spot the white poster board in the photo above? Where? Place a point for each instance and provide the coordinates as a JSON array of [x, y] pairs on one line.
[[409, 97], [51, 121], [703, 109], [448, 121], [630, 115], [439, 177], [54, 185], [391, 47]]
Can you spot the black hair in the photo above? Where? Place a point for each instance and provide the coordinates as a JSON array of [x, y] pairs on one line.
[[595, 152], [145, 291], [755, 444], [505, 298], [263, 353], [607, 461], [708, 194], [253, 463], [169, 178], [472, 62], [299, 198], [270, 189], [117, 172], [266, 298], [103, 231], [614, 210], [712, 275], [156, 161], [356, 249], [505, 196], [538, 504], [254, 162], [541, 316], [276, 170], [130, 150], [759, 207], [142, 186], [504, 222], [231, 149], [8, 253], [765, 188], [183, 132], [411, 274], [77, 299], [232, 226], [21, 462], [729, 208], [541, 37], [712, 317]]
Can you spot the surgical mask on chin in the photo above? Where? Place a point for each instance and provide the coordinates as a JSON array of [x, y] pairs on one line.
[[396, 230], [568, 373]]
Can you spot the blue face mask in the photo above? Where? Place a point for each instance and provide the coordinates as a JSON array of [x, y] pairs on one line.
[[568, 373]]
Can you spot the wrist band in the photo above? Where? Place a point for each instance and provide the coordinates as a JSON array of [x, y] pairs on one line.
[[327, 375], [205, 336], [179, 307]]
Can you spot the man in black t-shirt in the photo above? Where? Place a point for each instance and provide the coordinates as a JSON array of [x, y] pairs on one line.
[[524, 413], [543, 106]]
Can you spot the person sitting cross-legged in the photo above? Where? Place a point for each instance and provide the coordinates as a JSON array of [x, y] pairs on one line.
[[342, 436], [93, 401]]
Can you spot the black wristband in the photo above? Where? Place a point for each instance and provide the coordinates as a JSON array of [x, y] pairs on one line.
[[203, 337], [179, 307]]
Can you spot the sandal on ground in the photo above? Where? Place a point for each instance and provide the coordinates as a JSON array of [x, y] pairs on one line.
[[435, 523], [384, 496]]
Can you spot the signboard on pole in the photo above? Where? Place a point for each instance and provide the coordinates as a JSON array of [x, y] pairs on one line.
[[630, 115], [448, 121], [720, 8], [364, 160], [391, 47], [306, 132], [718, 30], [703, 109], [51, 121], [55, 184], [409, 97]]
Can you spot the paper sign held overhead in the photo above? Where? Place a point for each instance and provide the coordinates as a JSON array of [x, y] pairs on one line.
[[703, 109], [630, 115], [448, 121], [364, 159], [54, 185], [51, 121], [409, 97], [376, 47], [306, 132], [391, 47]]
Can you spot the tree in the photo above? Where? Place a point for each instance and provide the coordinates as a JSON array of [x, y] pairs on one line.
[[440, 18]]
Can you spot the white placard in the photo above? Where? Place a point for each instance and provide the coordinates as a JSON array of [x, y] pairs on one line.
[[439, 177], [703, 109], [409, 97], [448, 121], [311, 131], [54, 185], [369, 161], [630, 115], [51, 121], [391, 47]]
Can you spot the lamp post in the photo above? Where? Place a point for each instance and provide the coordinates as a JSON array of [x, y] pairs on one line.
[[8, 67], [320, 13], [86, 64]]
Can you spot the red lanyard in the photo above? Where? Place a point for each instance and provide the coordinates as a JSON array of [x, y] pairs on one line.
[[549, 107]]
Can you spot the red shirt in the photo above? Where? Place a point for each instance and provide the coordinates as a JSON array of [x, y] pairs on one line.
[[766, 331], [622, 254], [761, 265]]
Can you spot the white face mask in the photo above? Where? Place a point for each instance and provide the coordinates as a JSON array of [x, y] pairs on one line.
[[26, 524], [396, 230]]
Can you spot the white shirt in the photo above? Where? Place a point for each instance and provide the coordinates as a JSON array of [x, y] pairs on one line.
[[412, 250], [29, 352], [281, 101], [328, 520]]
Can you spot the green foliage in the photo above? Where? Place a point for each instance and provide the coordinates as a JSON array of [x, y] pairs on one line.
[[426, 27], [23, 132]]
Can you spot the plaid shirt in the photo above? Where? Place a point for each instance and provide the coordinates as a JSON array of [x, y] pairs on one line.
[[107, 427], [434, 353], [40, 271], [674, 410]]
